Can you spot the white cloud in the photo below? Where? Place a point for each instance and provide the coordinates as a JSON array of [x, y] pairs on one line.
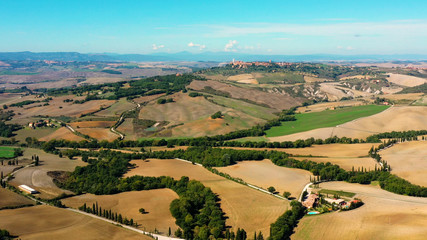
[[231, 46], [200, 46], [156, 47], [349, 48]]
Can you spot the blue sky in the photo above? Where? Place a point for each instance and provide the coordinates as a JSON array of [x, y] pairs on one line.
[[256, 27]]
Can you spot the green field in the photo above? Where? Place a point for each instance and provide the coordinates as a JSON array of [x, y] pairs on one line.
[[339, 193], [328, 118], [6, 152]]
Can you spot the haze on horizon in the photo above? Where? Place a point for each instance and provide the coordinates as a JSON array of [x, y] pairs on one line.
[[273, 27]]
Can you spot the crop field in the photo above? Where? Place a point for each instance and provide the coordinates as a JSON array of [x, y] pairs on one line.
[[245, 207], [248, 108], [11, 199], [92, 124], [394, 119], [384, 216], [405, 80], [232, 121], [127, 129], [38, 133], [183, 109], [37, 178], [155, 202], [265, 174], [116, 109], [274, 100], [46, 222], [421, 102], [99, 133], [62, 133], [243, 78], [329, 118], [408, 160], [329, 106], [346, 156], [6, 152], [57, 107], [147, 98]]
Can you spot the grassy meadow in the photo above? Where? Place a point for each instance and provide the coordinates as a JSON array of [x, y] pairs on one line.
[[7, 152]]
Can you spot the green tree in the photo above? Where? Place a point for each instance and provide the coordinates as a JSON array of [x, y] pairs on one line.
[[271, 189], [286, 194]]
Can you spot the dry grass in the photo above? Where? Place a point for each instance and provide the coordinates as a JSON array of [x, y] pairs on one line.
[[346, 156], [245, 207], [58, 107], [155, 202], [184, 109], [384, 216], [11, 199], [393, 119], [405, 80], [99, 133], [408, 160], [92, 124], [62, 133], [37, 178], [329, 105], [147, 98], [127, 129], [310, 79], [274, 100], [46, 222], [116, 109], [265, 174], [243, 78]]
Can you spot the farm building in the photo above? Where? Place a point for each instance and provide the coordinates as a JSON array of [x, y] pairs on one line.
[[336, 201], [27, 189], [311, 201]]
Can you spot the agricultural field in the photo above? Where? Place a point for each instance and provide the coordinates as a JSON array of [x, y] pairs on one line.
[[92, 124], [245, 207], [385, 215], [7, 152], [408, 160], [328, 118], [38, 133], [155, 202], [46, 222], [116, 109], [405, 80], [99, 133], [393, 119], [319, 107], [36, 177], [265, 174], [191, 117], [11, 199], [274, 100], [346, 156], [62, 133]]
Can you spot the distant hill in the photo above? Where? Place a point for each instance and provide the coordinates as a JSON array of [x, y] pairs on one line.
[[205, 56]]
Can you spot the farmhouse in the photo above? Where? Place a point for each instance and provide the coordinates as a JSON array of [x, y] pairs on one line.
[[27, 189], [336, 201], [311, 201]]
